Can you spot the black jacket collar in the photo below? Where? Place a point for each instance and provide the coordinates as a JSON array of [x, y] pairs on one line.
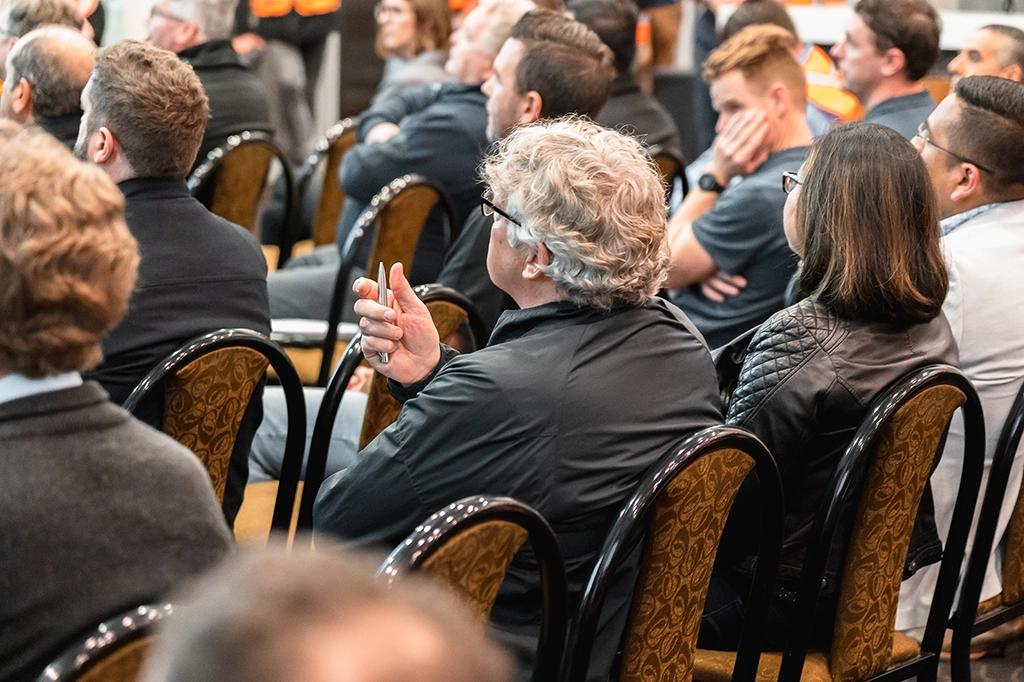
[[164, 188]]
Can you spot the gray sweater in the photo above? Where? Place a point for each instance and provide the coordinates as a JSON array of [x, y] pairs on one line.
[[98, 513]]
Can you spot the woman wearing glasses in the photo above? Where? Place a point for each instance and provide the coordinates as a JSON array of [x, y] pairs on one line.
[[862, 216]]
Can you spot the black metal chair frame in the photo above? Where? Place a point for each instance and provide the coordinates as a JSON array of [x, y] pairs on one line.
[[103, 640], [468, 512], [291, 465], [320, 442], [844, 491], [631, 526], [677, 156], [311, 164], [965, 622], [362, 230], [205, 172]]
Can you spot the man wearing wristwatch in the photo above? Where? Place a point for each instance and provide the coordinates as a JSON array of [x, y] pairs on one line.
[[730, 259]]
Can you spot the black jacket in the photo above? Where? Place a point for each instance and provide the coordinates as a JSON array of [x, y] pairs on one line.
[[292, 28], [98, 514], [198, 273], [803, 385], [238, 101], [64, 128], [630, 110], [565, 410]]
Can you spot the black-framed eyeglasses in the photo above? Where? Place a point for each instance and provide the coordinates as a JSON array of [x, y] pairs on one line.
[[790, 179], [488, 208], [923, 133]]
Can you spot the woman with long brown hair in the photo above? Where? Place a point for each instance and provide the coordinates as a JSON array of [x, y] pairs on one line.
[[862, 216], [412, 38]]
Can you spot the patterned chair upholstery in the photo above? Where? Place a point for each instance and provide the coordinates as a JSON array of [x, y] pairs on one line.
[[114, 652], [207, 385], [892, 454], [971, 617], [233, 182], [469, 545], [323, 163], [681, 507], [451, 312], [671, 165]]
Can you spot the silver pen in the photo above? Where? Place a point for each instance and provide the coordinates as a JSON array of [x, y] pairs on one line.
[[382, 297]]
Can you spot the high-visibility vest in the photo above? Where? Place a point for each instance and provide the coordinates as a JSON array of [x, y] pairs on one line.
[[266, 9], [825, 87], [87, 7]]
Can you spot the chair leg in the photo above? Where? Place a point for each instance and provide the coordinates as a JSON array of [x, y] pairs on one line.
[[960, 655]]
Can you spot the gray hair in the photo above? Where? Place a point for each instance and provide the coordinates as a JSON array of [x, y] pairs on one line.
[[57, 62], [215, 18], [18, 17], [594, 198], [505, 15]]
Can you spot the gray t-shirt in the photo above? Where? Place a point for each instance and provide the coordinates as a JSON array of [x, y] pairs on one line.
[[903, 114], [743, 235]]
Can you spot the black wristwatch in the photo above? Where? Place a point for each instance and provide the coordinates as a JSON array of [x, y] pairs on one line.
[[708, 183]]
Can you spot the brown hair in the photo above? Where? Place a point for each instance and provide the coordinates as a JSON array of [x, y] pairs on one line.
[[870, 227], [154, 105], [763, 53], [433, 26], [252, 617], [565, 62], [990, 129], [755, 12], [24, 15], [911, 26], [67, 260]]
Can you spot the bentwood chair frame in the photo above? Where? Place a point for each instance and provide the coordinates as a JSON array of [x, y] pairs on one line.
[[432, 295], [843, 495], [327, 154], [375, 224], [111, 652], [634, 523], [511, 524], [966, 622], [213, 171], [671, 165], [224, 339]]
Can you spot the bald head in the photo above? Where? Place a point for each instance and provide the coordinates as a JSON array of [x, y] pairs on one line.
[[46, 72]]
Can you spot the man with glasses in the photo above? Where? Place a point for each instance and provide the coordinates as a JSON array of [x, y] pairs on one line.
[[888, 46], [973, 147], [199, 32]]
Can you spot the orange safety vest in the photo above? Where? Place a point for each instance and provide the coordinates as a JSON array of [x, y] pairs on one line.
[[825, 87], [266, 9]]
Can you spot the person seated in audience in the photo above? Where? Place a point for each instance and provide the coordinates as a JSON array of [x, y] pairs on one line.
[[412, 38], [993, 50], [973, 147], [276, 616], [577, 394], [887, 48], [199, 32], [872, 282], [828, 102], [438, 131], [143, 123], [46, 72], [98, 512], [725, 232], [18, 17], [519, 92], [628, 109]]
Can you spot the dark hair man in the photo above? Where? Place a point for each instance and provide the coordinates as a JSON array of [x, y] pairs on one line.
[[887, 49], [993, 50], [973, 147], [144, 114], [46, 72]]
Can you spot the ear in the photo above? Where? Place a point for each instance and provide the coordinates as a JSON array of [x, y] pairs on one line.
[[779, 100], [1013, 72], [968, 185], [533, 105], [21, 98], [536, 263], [106, 147], [893, 61]]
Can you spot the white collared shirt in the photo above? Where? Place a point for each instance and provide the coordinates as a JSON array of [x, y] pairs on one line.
[[15, 386]]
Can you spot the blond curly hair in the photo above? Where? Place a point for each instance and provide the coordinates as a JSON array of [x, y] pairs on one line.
[[594, 198], [67, 261]]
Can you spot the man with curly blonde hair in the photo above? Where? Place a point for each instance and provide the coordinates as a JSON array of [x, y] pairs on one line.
[[577, 393], [98, 513]]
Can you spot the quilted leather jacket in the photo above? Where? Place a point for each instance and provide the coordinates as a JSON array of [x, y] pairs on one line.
[[803, 385]]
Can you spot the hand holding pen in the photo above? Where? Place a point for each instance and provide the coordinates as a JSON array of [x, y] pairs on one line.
[[398, 335]]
